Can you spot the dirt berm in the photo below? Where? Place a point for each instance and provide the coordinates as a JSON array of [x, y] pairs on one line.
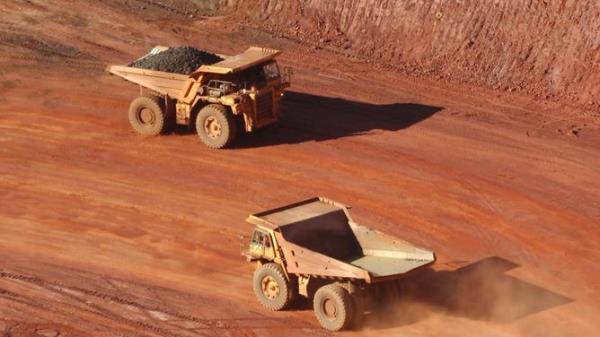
[[550, 49]]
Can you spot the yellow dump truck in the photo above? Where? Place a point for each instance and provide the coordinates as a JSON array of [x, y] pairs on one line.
[[314, 249], [240, 92]]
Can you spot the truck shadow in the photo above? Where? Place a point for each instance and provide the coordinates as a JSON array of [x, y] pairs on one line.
[[478, 291], [308, 117]]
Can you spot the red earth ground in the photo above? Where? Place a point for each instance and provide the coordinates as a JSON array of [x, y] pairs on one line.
[[104, 233]]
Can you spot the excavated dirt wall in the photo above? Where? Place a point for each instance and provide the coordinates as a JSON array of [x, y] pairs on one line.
[[550, 49]]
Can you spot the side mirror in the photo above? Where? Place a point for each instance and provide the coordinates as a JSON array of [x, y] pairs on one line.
[[287, 74]]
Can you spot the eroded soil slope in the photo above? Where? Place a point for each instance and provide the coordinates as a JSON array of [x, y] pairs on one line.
[[550, 49]]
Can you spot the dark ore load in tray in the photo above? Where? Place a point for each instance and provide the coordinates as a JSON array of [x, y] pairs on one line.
[[181, 60]]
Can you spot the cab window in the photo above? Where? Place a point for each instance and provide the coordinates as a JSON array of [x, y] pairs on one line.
[[257, 238], [271, 70], [261, 239]]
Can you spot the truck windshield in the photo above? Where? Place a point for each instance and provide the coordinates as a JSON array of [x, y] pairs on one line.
[[256, 76], [271, 70]]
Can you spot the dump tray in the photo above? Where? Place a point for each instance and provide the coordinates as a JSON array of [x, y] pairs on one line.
[[251, 57], [318, 237], [170, 84], [177, 85]]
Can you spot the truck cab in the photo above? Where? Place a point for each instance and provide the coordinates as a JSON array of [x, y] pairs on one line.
[[255, 85], [262, 246]]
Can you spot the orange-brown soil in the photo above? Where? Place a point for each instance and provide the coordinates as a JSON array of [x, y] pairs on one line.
[[104, 233]]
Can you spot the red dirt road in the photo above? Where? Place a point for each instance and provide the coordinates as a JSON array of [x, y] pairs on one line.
[[104, 233]]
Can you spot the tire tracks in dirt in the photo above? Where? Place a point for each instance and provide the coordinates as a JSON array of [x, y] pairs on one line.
[[163, 322]]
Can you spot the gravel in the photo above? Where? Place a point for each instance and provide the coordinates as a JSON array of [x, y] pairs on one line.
[[182, 60]]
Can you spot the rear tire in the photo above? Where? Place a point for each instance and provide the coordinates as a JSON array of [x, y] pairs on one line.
[[333, 307], [216, 126], [271, 287], [147, 116]]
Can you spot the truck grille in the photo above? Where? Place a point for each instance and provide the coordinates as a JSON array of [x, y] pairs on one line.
[[264, 105]]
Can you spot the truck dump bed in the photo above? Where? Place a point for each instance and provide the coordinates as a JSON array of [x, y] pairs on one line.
[[176, 85], [318, 237], [170, 84]]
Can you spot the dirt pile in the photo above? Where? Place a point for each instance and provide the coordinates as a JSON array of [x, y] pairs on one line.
[[549, 49], [182, 60]]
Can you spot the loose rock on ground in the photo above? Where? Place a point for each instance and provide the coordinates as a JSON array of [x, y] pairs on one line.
[[182, 60]]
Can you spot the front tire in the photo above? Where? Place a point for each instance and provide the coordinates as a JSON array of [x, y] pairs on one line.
[[147, 116], [271, 287], [215, 126], [333, 307]]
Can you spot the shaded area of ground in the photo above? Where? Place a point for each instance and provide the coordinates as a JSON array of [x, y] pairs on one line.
[[310, 117], [481, 290]]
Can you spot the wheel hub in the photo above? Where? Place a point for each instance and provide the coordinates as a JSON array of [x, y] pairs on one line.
[[212, 127], [270, 288], [329, 308], [146, 116]]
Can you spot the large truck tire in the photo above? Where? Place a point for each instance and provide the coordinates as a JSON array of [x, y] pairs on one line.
[[271, 287], [215, 126], [147, 115], [333, 307]]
